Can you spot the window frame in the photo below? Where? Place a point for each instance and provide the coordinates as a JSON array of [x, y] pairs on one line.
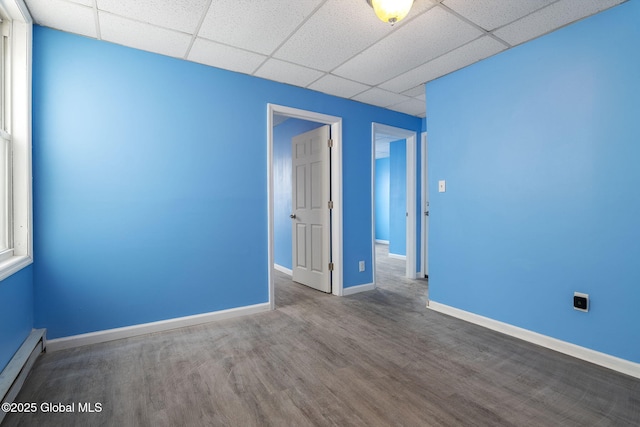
[[16, 128]]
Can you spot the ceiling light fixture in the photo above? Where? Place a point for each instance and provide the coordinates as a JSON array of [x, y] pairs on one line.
[[391, 11]]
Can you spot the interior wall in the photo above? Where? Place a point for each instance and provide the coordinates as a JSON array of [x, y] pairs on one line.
[[16, 314], [539, 150], [382, 198], [150, 193], [282, 191], [398, 198]]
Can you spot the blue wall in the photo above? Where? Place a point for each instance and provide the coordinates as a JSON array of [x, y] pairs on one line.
[[398, 198], [16, 314], [282, 135], [540, 147], [149, 184], [382, 198], [391, 198]]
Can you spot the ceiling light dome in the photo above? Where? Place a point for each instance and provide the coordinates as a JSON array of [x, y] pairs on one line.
[[391, 11]]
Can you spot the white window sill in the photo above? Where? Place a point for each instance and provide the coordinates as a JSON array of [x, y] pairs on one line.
[[13, 265]]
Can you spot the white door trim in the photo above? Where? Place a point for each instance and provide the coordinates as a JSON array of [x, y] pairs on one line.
[[424, 229], [336, 191], [410, 137]]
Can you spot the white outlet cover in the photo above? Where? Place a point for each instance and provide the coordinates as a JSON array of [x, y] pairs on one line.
[[442, 186], [586, 297]]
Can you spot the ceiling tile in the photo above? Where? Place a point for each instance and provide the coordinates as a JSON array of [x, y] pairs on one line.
[[338, 86], [491, 14], [379, 97], [143, 36], [336, 32], [550, 18], [181, 15], [337, 47], [260, 26], [84, 2], [415, 91], [285, 72], [437, 31], [64, 16], [227, 57], [383, 139], [383, 148], [411, 106], [468, 54]]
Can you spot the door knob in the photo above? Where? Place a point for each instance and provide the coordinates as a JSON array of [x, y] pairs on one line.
[[292, 216]]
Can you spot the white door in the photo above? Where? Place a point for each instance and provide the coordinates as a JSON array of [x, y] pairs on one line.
[[310, 218]]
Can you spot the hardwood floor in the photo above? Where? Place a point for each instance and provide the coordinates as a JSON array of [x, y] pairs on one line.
[[375, 358]]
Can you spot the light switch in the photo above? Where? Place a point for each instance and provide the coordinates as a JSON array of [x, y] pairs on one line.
[[442, 186]]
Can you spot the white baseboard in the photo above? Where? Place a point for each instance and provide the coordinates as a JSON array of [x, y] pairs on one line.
[[357, 289], [382, 242], [396, 256], [592, 356], [282, 269], [147, 328]]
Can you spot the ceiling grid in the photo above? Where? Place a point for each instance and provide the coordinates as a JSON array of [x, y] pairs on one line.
[[336, 47]]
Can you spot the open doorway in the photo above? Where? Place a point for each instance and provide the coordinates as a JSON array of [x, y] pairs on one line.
[[424, 270], [279, 177], [393, 199]]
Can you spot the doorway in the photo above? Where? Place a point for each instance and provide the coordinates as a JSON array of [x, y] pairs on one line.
[[405, 142], [334, 184], [424, 270]]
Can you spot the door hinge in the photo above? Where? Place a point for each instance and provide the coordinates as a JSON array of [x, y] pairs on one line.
[[330, 142], [330, 204], [330, 266]]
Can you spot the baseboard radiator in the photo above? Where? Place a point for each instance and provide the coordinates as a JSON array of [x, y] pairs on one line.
[[15, 373]]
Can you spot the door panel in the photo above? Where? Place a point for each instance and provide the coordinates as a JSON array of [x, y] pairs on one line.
[[300, 186], [310, 219], [301, 246], [316, 185], [317, 262]]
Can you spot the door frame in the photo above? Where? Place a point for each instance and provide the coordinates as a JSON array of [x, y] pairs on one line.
[[410, 137], [335, 183], [424, 229]]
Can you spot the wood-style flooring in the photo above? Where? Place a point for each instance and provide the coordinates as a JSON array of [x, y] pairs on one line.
[[378, 358]]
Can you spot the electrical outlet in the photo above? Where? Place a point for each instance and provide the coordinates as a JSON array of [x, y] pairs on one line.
[[361, 266], [581, 301], [442, 186]]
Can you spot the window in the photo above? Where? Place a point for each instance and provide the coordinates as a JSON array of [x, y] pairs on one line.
[[6, 240], [15, 137]]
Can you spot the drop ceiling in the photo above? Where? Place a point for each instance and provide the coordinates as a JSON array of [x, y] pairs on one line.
[[337, 47]]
